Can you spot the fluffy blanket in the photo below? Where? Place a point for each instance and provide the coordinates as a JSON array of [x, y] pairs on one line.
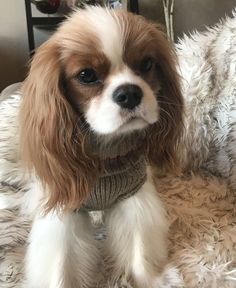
[[201, 207]]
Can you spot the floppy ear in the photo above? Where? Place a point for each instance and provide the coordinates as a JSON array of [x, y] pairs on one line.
[[163, 136], [51, 140]]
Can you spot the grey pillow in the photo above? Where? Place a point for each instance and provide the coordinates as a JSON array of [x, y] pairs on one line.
[[8, 91]]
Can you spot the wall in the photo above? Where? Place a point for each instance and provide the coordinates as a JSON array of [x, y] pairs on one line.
[[189, 14], [13, 42]]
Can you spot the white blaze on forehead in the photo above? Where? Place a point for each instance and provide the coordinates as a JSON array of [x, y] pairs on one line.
[[107, 28]]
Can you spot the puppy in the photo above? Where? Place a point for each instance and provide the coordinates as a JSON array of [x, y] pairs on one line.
[[101, 101]]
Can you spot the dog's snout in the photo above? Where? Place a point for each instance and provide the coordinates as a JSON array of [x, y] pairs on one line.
[[128, 96]]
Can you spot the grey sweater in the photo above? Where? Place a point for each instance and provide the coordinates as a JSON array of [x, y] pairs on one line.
[[122, 177]]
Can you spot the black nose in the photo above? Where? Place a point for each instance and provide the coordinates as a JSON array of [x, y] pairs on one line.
[[128, 96]]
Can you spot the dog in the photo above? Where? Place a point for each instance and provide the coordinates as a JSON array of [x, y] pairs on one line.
[[102, 101]]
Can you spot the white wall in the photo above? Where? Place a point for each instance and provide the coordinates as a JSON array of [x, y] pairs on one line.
[[13, 42]]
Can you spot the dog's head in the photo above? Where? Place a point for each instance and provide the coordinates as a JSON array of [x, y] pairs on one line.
[[107, 72]]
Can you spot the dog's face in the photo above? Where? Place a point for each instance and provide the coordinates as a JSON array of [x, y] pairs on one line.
[[110, 70], [116, 72]]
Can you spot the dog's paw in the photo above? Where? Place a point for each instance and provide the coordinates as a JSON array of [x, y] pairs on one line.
[[169, 278]]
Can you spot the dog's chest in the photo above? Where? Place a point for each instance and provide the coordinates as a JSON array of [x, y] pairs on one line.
[[122, 178]]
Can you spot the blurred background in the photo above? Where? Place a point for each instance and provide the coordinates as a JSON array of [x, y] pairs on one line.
[[15, 48]]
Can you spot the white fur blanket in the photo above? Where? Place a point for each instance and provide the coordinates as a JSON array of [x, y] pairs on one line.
[[201, 208]]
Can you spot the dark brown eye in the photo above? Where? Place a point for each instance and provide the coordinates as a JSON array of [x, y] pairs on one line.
[[146, 64], [88, 76]]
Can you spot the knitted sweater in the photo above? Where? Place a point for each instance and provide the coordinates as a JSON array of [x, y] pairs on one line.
[[121, 178]]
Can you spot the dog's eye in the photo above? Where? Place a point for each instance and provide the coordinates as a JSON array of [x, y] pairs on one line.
[[88, 76], [146, 65]]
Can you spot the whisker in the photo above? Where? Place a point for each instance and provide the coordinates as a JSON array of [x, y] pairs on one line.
[[164, 122], [167, 113], [170, 103]]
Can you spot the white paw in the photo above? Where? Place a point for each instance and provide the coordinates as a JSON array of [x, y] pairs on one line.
[[169, 278]]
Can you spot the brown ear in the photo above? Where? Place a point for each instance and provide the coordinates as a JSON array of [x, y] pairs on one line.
[[51, 140], [164, 136]]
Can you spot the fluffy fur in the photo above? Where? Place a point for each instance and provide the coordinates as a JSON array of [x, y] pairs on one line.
[[208, 72], [62, 119]]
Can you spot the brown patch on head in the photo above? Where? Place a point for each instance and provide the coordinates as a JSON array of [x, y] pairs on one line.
[[143, 40], [81, 49], [77, 92]]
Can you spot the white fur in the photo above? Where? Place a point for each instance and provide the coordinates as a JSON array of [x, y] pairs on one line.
[[103, 21], [137, 232], [106, 117], [65, 255], [62, 252], [208, 67], [108, 29]]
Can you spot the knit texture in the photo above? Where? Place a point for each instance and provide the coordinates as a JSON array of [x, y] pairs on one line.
[[122, 177]]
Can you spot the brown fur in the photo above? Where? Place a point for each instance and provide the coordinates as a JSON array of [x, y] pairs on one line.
[[143, 38], [52, 138], [81, 93]]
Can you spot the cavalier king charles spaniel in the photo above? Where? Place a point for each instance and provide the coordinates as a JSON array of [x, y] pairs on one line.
[[101, 102]]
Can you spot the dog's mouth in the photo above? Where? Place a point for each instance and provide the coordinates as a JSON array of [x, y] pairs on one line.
[[133, 123]]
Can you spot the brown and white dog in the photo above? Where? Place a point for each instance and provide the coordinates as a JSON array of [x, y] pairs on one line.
[[102, 91]]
